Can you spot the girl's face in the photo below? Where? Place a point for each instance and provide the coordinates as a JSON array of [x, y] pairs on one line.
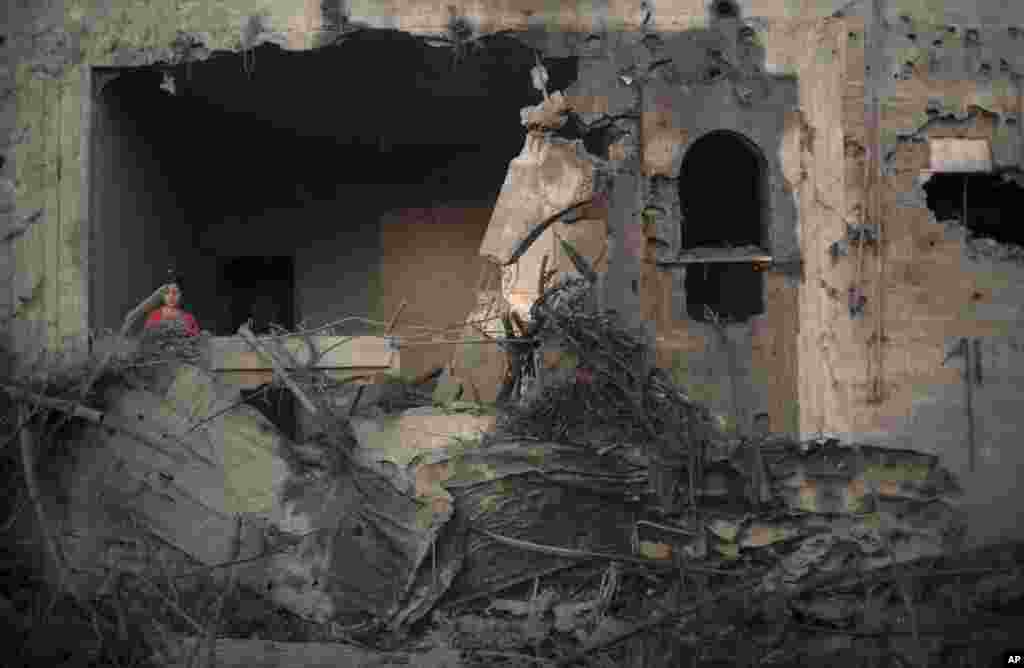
[[172, 296]]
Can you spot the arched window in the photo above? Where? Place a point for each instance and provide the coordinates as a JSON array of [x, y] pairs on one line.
[[723, 194]]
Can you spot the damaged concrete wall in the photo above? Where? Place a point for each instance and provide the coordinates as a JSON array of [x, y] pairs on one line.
[[765, 80], [928, 280], [942, 73], [50, 48], [736, 77]]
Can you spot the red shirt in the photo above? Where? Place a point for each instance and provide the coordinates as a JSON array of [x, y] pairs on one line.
[[158, 316]]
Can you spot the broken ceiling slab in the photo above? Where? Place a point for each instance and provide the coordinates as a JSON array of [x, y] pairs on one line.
[[359, 543], [188, 494], [548, 176], [952, 154]]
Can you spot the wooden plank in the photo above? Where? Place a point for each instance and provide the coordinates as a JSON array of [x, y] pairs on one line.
[[232, 353]]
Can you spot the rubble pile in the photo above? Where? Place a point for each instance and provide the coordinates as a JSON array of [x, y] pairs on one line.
[[612, 476], [604, 519], [610, 394]]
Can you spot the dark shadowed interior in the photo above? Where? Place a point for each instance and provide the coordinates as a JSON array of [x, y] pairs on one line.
[[992, 202], [266, 178], [722, 194]]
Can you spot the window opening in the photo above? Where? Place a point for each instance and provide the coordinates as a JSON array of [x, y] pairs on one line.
[[722, 192]]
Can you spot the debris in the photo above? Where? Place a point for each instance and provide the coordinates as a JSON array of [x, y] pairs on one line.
[[535, 233], [239, 653], [448, 388], [603, 506], [539, 74], [244, 332], [549, 114]]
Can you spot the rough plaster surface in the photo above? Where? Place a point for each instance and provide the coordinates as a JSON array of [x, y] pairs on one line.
[[549, 175]]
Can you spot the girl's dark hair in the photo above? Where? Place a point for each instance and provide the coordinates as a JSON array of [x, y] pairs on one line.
[[176, 278]]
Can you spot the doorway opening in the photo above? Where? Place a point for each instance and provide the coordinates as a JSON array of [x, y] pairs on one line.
[[259, 290], [723, 194]]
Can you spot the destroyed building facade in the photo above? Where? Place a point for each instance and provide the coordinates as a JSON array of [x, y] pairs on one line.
[[807, 205]]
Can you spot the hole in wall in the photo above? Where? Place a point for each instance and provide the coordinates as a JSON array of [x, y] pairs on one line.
[[281, 161], [992, 204], [562, 72], [725, 9], [597, 139]]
